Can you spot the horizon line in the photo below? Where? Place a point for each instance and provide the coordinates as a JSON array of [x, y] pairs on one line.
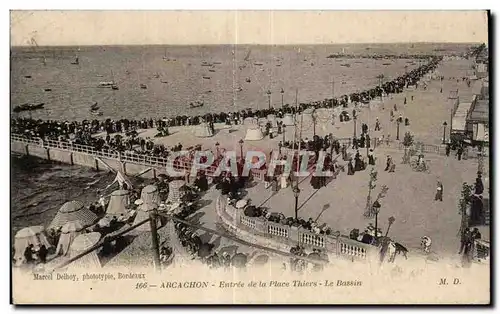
[[254, 44]]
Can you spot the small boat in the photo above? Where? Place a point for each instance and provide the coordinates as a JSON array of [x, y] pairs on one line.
[[211, 70], [156, 75], [258, 63], [208, 92], [144, 86], [386, 63], [106, 84], [114, 87], [76, 61], [248, 80], [99, 75], [196, 104], [278, 65], [164, 82], [47, 89], [206, 64], [27, 76], [96, 113], [347, 65], [206, 77], [28, 107], [217, 62], [94, 106]]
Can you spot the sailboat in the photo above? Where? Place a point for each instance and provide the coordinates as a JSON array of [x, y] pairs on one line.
[[76, 60], [166, 58], [247, 57]]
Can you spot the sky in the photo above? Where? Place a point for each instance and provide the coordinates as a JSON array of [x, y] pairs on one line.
[[74, 28]]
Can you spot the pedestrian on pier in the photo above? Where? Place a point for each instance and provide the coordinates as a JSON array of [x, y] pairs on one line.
[[439, 192]]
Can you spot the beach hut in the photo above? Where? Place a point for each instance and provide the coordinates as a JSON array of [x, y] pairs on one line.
[[203, 130], [80, 244], [150, 200], [73, 211], [30, 235], [69, 232], [174, 191], [288, 119], [254, 134], [118, 203]]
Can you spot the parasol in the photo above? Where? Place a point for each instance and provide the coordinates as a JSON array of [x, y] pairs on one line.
[[73, 211]]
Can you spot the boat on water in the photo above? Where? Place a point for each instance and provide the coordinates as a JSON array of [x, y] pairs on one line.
[[28, 107], [211, 70], [347, 65], [258, 63], [106, 84], [248, 80], [278, 65], [47, 89], [143, 86], [156, 75], [164, 82], [206, 64], [94, 106], [114, 87], [217, 62], [27, 76], [196, 104], [206, 77], [99, 75], [76, 61], [386, 63]]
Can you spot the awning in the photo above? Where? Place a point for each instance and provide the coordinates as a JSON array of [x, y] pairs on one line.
[[481, 133]]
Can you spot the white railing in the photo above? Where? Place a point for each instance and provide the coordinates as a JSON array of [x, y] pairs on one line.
[[247, 221], [351, 250], [312, 239], [152, 161], [277, 230]]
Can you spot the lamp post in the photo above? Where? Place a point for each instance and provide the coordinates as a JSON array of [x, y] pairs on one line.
[[269, 98], [397, 133], [391, 221], [217, 148], [282, 97], [296, 192], [376, 209], [354, 119], [241, 148], [444, 132]]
